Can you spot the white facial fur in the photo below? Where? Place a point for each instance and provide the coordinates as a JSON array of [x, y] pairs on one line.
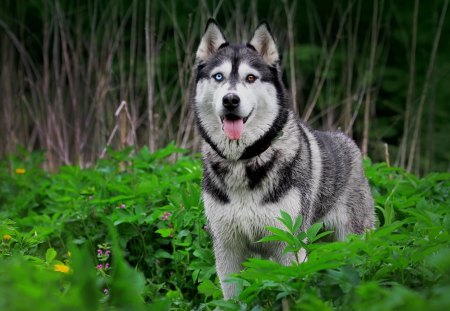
[[258, 101]]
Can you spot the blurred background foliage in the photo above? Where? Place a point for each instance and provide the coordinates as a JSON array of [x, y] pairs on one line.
[[377, 70]]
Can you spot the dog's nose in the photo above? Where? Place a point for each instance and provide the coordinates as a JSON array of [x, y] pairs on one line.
[[231, 101]]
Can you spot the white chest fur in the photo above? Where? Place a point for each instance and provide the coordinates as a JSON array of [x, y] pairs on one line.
[[244, 218]]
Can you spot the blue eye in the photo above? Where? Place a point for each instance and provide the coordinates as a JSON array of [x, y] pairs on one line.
[[218, 77]]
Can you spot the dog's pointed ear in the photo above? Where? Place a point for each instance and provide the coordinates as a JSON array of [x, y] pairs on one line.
[[263, 42], [212, 39]]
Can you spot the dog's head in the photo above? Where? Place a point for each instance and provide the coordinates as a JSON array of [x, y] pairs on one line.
[[238, 96]]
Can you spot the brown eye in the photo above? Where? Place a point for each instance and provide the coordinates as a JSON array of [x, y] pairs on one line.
[[250, 78]]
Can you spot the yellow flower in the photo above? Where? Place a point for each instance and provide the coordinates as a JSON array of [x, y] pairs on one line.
[[20, 171], [62, 268], [7, 237]]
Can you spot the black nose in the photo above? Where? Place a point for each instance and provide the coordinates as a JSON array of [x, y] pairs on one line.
[[231, 101]]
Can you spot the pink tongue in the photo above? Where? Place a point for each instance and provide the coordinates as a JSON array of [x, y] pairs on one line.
[[233, 128]]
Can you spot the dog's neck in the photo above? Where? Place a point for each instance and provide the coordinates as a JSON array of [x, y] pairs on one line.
[[261, 144]]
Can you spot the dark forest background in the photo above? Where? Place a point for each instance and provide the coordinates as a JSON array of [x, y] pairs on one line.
[[79, 76]]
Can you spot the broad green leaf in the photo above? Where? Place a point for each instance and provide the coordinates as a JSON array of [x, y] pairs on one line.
[[313, 230], [298, 223], [320, 235], [50, 255], [209, 289], [165, 232], [284, 235], [162, 254], [270, 238], [286, 220], [301, 236], [225, 304]]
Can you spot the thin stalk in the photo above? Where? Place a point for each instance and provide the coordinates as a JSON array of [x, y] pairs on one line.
[[368, 100], [411, 87], [149, 66], [321, 80], [423, 97], [290, 12]]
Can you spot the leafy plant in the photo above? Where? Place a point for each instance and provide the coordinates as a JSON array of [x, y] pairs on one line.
[[145, 220], [294, 238]]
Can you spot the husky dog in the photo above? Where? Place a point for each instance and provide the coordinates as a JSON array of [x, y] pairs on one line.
[[259, 159]]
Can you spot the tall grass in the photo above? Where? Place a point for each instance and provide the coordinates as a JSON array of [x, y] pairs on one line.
[[66, 67]]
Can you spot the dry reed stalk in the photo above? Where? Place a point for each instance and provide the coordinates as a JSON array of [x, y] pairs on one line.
[[411, 87], [351, 49], [324, 37], [123, 125], [285, 304], [328, 57], [386, 154], [7, 117], [130, 89], [430, 132], [423, 96], [376, 20], [290, 11], [61, 97], [149, 51], [70, 67], [356, 112]]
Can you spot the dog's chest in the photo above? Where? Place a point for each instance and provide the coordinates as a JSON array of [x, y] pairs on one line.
[[246, 213], [245, 218]]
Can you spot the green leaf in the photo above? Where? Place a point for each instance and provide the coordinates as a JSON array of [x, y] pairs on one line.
[[270, 238], [301, 236], [284, 236], [320, 235], [203, 253], [225, 304], [286, 220], [162, 254], [298, 223], [313, 230], [127, 284], [290, 249], [209, 289], [164, 232], [50, 255]]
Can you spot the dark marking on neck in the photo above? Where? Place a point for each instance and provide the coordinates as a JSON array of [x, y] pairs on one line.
[[264, 142], [212, 188], [285, 181], [209, 140], [219, 170], [257, 173]]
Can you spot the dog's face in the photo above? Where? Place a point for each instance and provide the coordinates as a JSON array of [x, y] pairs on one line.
[[237, 90]]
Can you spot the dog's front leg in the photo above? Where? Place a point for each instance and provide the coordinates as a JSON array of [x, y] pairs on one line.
[[228, 261]]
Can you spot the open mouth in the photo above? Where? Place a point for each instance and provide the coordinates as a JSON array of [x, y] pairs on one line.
[[233, 125]]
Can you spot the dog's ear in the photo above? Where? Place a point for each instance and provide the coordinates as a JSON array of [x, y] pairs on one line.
[[263, 42], [212, 39]]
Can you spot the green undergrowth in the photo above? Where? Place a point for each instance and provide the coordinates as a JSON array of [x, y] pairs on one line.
[[130, 234]]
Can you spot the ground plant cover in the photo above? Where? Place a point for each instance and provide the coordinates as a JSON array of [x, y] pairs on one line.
[[129, 234]]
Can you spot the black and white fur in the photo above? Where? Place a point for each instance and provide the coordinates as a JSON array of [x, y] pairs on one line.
[[278, 163]]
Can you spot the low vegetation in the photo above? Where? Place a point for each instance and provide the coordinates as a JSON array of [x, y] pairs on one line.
[[130, 234]]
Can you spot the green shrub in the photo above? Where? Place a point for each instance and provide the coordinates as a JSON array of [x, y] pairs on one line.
[[130, 234]]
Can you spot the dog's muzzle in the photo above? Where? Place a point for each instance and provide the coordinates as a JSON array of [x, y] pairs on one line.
[[231, 101]]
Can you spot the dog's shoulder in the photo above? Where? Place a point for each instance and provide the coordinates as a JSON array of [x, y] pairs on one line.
[[335, 141]]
